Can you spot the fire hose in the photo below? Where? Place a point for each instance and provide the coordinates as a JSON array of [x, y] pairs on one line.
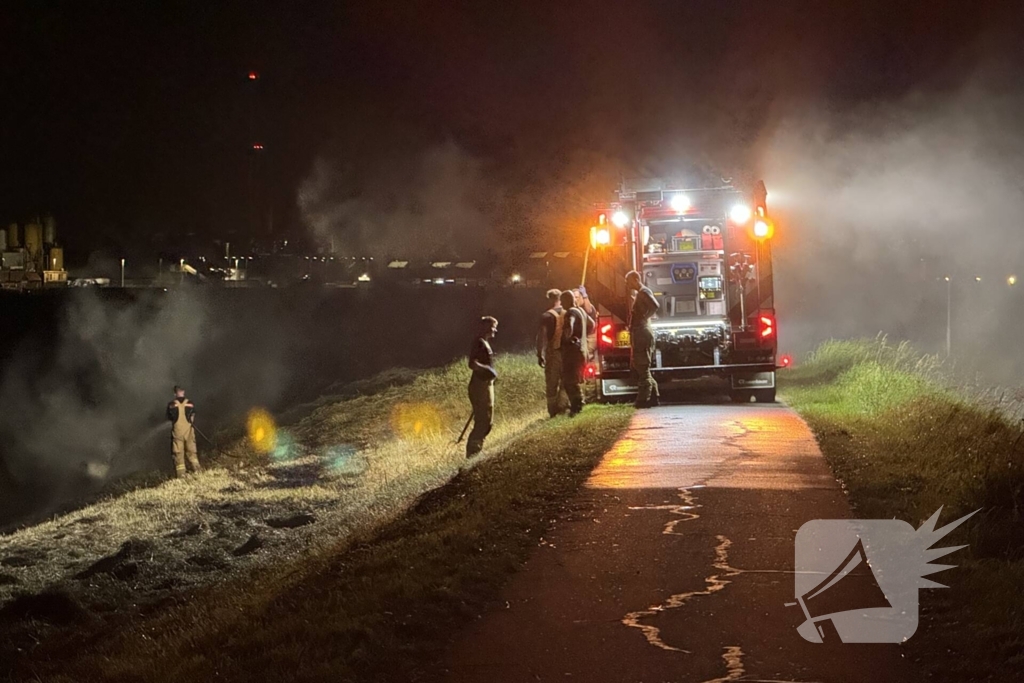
[[463, 434], [197, 431]]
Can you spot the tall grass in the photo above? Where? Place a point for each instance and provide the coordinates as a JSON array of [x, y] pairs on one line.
[[836, 356], [906, 436]]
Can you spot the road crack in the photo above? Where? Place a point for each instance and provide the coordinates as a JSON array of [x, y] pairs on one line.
[[712, 583], [733, 658]]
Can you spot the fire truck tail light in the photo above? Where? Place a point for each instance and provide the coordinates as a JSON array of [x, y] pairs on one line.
[[786, 360], [590, 371], [606, 335], [767, 326]]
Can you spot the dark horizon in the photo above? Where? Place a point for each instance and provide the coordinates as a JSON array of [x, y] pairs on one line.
[[128, 122]]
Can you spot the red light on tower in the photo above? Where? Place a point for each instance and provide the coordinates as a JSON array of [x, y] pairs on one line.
[[253, 76]]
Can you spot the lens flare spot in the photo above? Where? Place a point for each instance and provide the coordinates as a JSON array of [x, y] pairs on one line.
[[285, 447], [261, 430], [343, 459], [415, 420]]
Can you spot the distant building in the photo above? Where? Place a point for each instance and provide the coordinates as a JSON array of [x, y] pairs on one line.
[[30, 257]]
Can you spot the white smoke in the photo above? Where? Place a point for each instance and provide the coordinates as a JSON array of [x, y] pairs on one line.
[[435, 199], [878, 205]]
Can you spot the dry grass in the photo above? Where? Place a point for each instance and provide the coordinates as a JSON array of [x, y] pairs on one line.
[[350, 465]]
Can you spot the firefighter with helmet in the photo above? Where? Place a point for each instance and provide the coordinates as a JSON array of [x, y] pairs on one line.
[[181, 413]]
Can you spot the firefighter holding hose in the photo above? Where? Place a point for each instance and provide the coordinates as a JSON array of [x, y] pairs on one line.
[[181, 413], [481, 384]]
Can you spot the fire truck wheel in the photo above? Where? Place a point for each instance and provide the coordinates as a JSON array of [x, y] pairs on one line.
[[738, 396], [764, 395]]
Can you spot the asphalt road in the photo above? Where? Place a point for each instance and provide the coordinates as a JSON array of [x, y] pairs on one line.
[[675, 564]]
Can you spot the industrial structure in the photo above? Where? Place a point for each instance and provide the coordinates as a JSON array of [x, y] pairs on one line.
[[30, 256]]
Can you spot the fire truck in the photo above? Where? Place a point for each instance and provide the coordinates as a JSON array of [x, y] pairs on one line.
[[705, 252]]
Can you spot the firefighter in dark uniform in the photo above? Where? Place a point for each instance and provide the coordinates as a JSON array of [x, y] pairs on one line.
[[549, 352], [642, 336], [574, 350], [181, 413], [583, 301], [481, 385]]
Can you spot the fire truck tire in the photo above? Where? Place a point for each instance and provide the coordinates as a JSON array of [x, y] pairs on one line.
[[740, 396], [764, 395]]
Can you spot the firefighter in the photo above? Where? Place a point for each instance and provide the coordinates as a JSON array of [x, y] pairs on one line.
[[574, 350], [181, 412], [584, 302], [549, 355], [642, 336], [481, 384]]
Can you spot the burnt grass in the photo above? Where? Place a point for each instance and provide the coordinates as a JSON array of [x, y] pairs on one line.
[[378, 607], [905, 443], [341, 469]]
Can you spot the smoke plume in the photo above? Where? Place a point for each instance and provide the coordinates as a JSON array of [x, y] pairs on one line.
[[879, 205], [398, 206]]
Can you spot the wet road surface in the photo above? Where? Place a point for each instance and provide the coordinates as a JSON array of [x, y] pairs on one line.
[[675, 563]]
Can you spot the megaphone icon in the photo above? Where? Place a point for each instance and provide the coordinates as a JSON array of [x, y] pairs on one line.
[[851, 586]]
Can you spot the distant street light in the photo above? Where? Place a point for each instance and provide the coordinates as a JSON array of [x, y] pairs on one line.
[[122, 273], [977, 278], [1012, 280], [516, 278], [949, 314]]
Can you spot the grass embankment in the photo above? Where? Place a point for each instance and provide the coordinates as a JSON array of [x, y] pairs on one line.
[[344, 597], [905, 440]]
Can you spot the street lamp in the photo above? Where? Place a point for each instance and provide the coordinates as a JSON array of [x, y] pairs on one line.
[[949, 314], [122, 273], [1012, 280]]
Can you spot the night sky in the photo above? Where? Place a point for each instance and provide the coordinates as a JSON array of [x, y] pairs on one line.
[[131, 119]]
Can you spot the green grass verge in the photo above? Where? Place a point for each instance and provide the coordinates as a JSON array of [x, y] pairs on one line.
[[904, 441], [380, 606]]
